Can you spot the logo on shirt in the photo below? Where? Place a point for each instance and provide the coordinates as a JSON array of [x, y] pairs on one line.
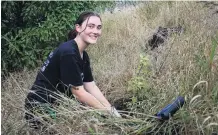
[[45, 65], [82, 76], [47, 62]]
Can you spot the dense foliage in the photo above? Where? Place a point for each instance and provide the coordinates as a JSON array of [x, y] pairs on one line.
[[31, 29]]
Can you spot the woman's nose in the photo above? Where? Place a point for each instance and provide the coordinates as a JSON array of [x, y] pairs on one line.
[[97, 31]]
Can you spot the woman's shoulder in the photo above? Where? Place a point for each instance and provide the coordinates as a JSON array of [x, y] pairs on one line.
[[68, 48]]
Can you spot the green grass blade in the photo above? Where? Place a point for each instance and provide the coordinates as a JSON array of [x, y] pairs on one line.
[[214, 46]]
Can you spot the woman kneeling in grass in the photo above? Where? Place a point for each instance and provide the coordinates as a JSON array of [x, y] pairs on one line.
[[67, 70]]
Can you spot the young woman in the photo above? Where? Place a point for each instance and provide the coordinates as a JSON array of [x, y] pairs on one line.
[[67, 70]]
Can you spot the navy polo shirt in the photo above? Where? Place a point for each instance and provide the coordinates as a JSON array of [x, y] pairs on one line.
[[63, 67]]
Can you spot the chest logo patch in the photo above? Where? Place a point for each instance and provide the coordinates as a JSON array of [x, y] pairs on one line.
[[82, 76]]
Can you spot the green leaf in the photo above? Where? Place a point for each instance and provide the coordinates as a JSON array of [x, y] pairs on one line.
[[213, 50]]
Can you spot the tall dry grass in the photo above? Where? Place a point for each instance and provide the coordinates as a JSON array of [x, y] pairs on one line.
[[185, 65]]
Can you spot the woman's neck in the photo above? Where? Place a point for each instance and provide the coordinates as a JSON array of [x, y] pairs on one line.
[[81, 45]]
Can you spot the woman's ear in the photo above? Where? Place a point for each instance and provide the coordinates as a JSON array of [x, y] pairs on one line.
[[78, 28]]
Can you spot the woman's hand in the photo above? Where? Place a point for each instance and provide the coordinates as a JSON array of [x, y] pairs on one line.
[[114, 112]]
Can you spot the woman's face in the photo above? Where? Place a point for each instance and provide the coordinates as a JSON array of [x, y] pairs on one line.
[[90, 30]]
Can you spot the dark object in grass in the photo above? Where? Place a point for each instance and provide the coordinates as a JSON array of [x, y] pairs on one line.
[[171, 109], [162, 35], [121, 104]]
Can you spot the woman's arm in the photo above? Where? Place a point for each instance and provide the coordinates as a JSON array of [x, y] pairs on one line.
[[85, 97], [95, 91]]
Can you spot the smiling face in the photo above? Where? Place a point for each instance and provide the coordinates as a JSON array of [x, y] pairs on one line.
[[90, 29]]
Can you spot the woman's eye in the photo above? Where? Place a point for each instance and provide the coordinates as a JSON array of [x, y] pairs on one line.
[[91, 26], [99, 27]]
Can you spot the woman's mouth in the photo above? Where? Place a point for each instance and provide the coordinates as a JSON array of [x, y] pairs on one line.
[[93, 37]]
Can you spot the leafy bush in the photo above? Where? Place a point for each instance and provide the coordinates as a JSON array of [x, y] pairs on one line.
[[30, 30], [139, 83]]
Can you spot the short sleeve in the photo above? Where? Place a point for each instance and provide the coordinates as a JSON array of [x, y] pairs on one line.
[[69, 71], [87, 70]]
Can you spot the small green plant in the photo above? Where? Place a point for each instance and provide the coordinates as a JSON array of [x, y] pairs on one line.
[[213, 52], [138, 85], [213, 64]]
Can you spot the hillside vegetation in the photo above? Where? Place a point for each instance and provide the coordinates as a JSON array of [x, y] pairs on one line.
[[124, 67]]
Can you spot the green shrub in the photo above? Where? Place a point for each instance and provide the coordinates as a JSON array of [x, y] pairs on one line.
[[30, 30], [139, 84]]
